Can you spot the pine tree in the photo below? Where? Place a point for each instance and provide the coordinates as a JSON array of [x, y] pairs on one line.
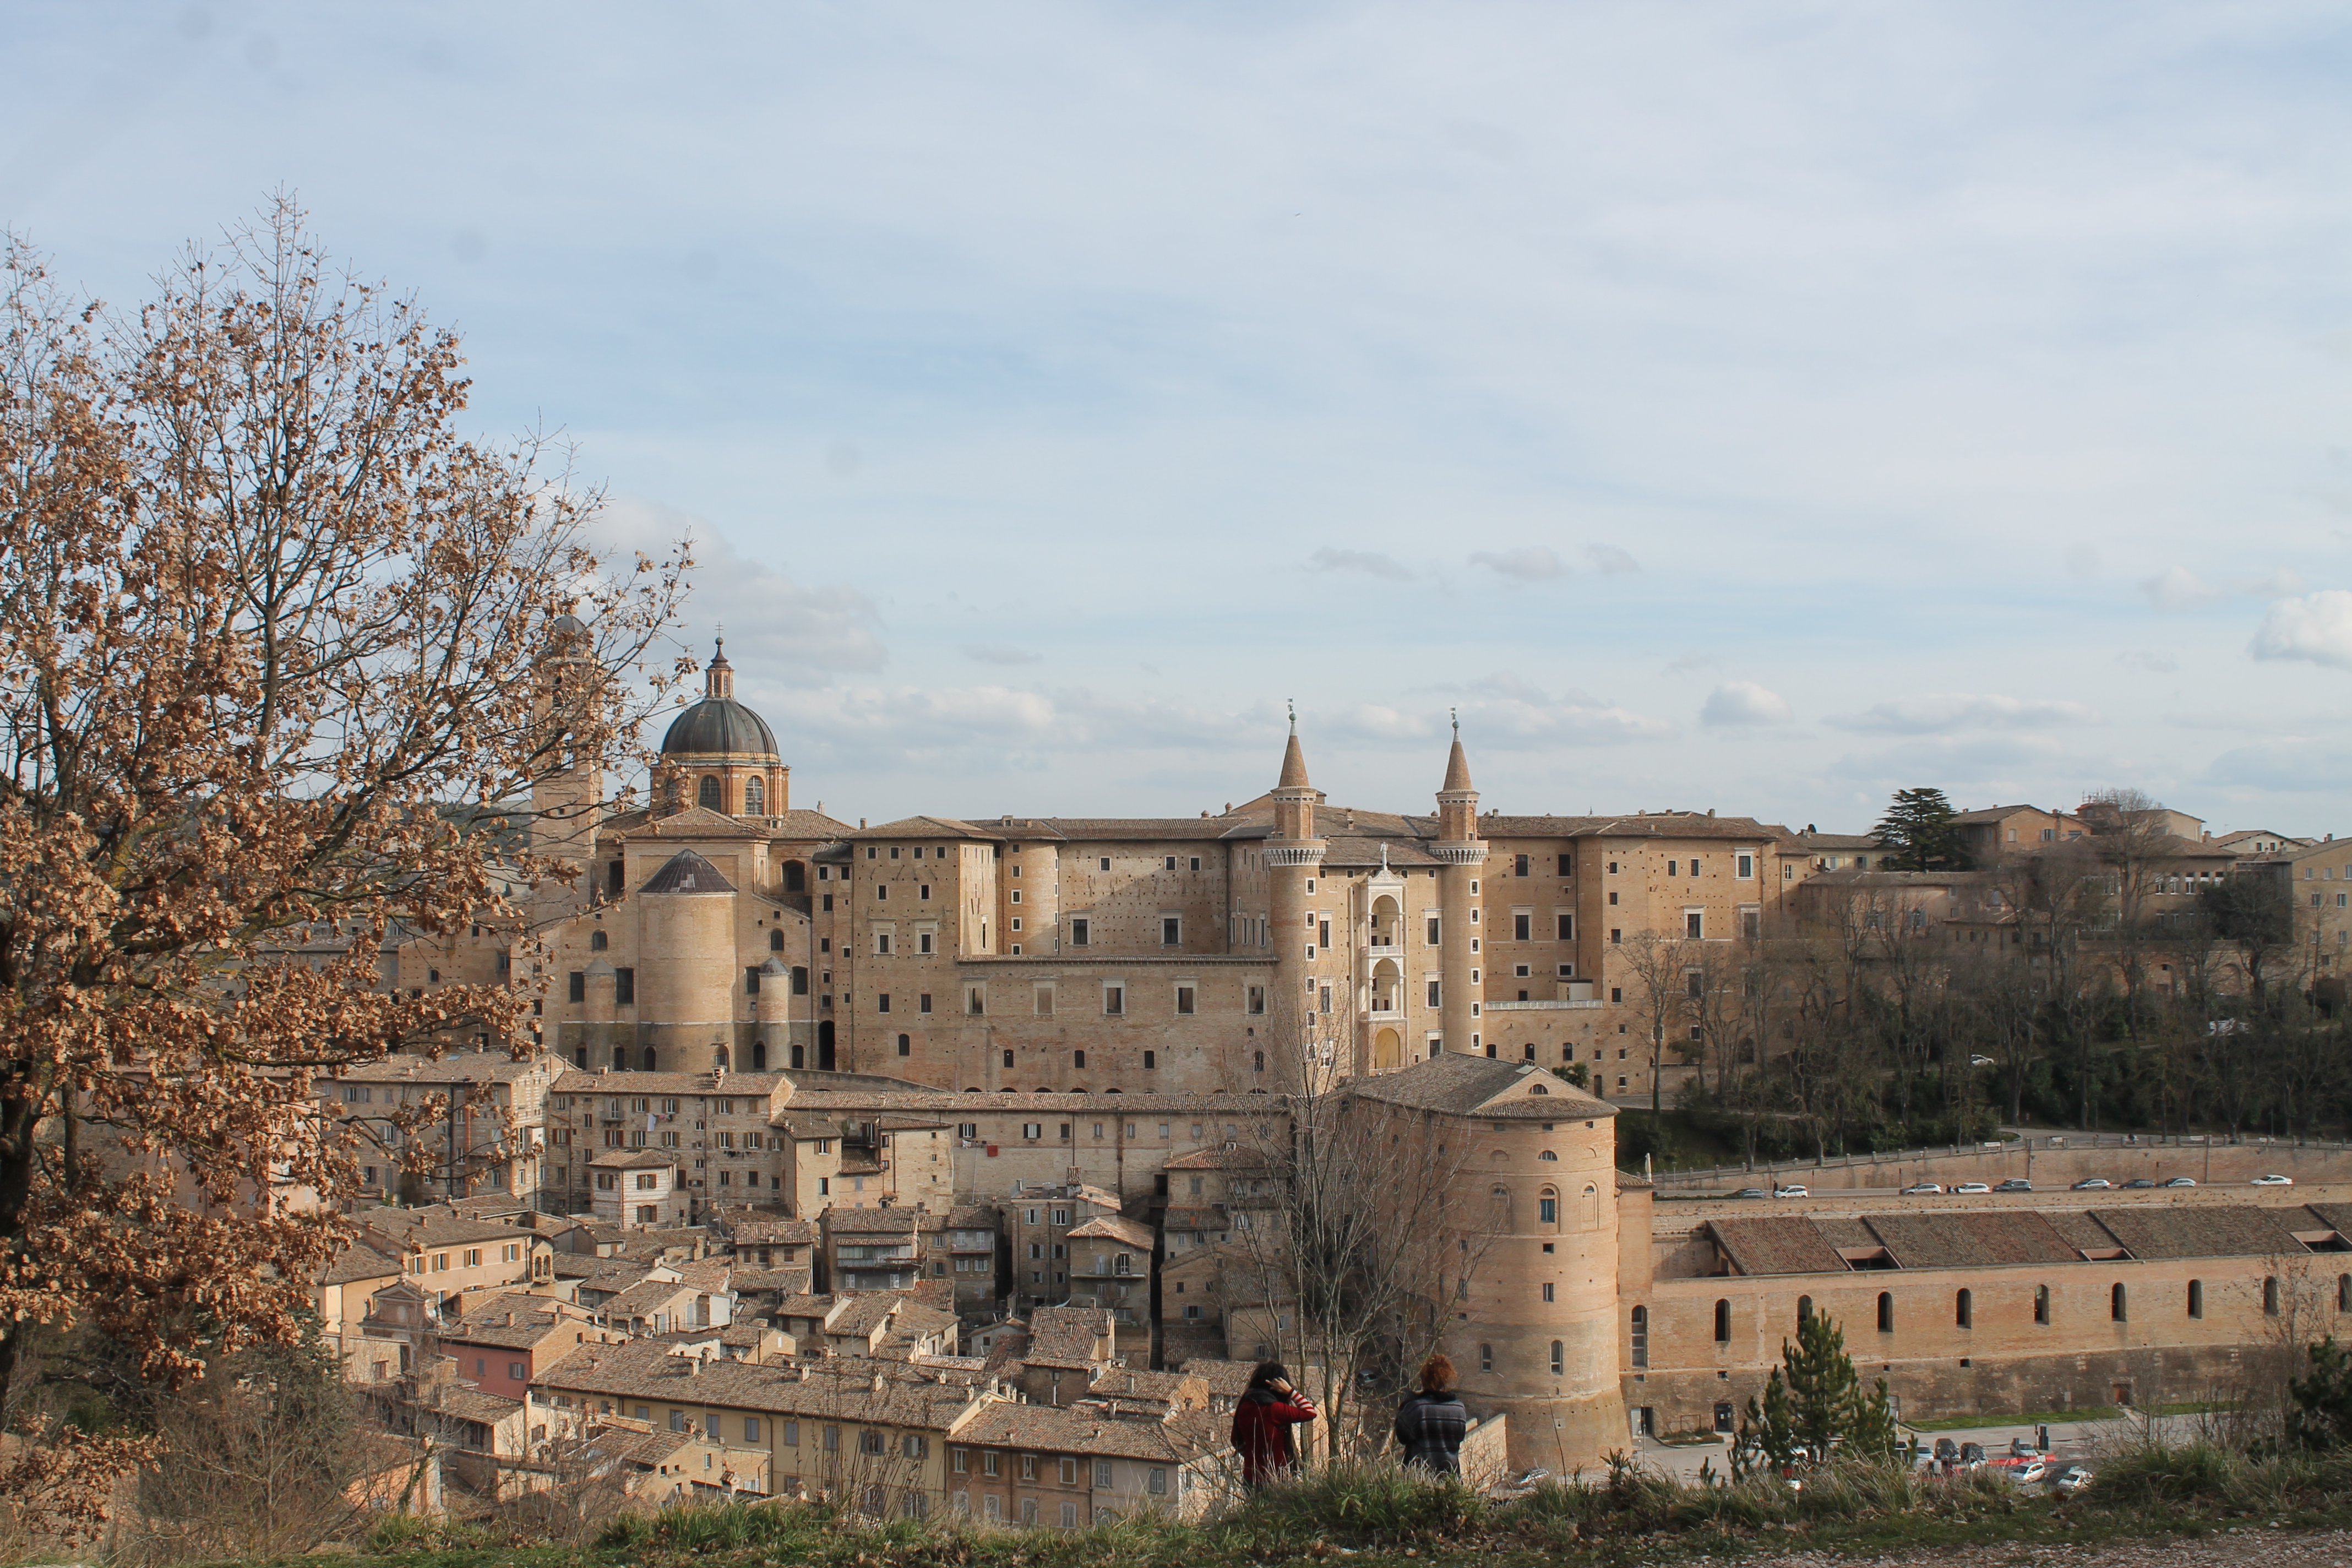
[[1918, 826], [1814, 1402], [1768, 1431]]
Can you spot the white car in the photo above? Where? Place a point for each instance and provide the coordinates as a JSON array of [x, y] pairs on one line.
[[1793, 1190], [2274, 1181], [1917, 1188], [1972, 1187]]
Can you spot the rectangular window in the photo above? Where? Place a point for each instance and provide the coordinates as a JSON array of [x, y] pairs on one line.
[[1432, 994], [1256, 1000], [1103, 1475], [975, 1000], [1568, 866], [1430, 930], [1184, 999], [1043, 1001], [624, 987], [882, 1002], [924, 942], [1519, 864], [1568, 927], [751, 980], [923, 1002], [1080, 928], [1694, 924], [1745, 866], [1172, 931], [577, 987], [751, 1428], [1114, 1001], [1522, 926], [881, 944]]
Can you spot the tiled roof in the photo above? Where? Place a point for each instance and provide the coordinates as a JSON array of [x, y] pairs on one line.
[[772, 1233], [947, 1103], [603, 1081], [633, 1159], [696, 822], [508, 1325], [1233, 1157], [1649, 824], [920, 827], [1970, 1239], [1462, 1085], [455, 1067], [881, 1222], [1066, 1336], [2201, 1231], [424, 1228], [646, 1296], [1789, 1244], [1115, 1227], [1171, 1387], [1090, 1429], [357, 1262], [648, 1372]]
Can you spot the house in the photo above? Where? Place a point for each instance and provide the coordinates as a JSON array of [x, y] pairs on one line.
[[502, 1341], [1110, 1267]]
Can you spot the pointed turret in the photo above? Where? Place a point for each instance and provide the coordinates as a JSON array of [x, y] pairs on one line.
[[719, 680], [1460, 852], [1457, 798], [1294, 798], [1457, 766], [1294, 760]]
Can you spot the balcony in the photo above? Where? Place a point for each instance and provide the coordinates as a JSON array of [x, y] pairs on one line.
[[1378, 948]]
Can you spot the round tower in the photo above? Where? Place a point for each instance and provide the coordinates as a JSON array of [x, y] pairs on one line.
[[687, 968], [567, 797], [1460, 852], [1294, 858]]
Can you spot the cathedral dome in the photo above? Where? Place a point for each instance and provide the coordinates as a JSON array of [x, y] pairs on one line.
[[719, 725]]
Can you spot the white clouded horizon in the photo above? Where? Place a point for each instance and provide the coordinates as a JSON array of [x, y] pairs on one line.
[[1054, 391]]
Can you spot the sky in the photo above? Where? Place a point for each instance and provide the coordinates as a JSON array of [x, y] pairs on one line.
[[1754, 406]]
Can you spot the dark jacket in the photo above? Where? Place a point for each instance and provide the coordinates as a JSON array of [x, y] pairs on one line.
[[1429, 1427], [1262, 1423]]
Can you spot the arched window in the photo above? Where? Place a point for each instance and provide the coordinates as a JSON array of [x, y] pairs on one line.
[[1547, 1155], [620, 1059], [598, 941], [718, 1059], [649, 1058], [1559, 1358], [2041, 1305], [776, 940], [755, 796], [707, 792], [799, 1055], [1258, 1063], [1964, 1310], [1886, 1312], [1548, 1207], [1501, 1197], [1639, 1345], [2270, 1295], [2197, 1297], [759, 1055], [1804, 1312], [2118, 1308], [1723, 1322]]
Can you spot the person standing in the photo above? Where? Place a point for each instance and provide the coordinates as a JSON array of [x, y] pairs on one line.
[[1269, 1407], [1431, 1422]]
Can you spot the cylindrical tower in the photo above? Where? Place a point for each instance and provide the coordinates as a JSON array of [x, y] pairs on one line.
[[1461, 853], [567, 801], [687, 966], [1294, 858], [1540, 1339]]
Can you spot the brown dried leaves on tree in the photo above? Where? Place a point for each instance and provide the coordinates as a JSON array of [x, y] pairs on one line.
[[266, 619]]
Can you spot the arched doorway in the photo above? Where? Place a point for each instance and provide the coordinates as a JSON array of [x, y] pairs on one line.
[[1388, 1051], [1387, 921], [824, 1047]]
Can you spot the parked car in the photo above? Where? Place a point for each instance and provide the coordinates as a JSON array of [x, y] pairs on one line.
[[2181, 1182], [1916, 1188], [1971, 1187], [1793, 1190], [2015, 1184], [2274, 1181], [2092, 1184], [2023, 1448], [1980, 1061], [2068, 1479], [2020, 1471], [2138, 1184], [1750, 1193], [1972, 1456]]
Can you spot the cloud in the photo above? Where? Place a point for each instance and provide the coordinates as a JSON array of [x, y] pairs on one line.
[[2293, 765], [2178, 588], [1945, 712], [1610, 561], [2153, 663], [771, 622], [1533, 563], [1740, 703], [1370, 561], [1691, 663], [999, 653], [1505, 711], [2316, 627]]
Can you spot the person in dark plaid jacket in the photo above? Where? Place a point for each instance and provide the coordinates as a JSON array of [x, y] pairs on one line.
[[1429, 1426]]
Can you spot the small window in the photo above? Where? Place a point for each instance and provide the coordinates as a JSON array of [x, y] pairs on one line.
[[1804, 1312], [1964, 1310], [1723, 1322], [576, 984], [2270, 1296], [2118, 1309], [1114, 1001], [1485, 1358], [1886, 1313], [1559, 1358], [2041, 1305], [2197, 1297], [1184, 999], [1080, 928], [1639, 1339], [624, 987], [1172, 929]]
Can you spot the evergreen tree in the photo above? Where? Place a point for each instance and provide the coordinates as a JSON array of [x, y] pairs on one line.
[[2321, 1417], [1918, 826], [1814, 1401]]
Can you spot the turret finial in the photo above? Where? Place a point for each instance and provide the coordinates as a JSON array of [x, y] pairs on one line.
[[1457, 715], [1293, 703]]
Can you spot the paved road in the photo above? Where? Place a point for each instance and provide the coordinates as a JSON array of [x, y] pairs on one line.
[[2068, 1441]]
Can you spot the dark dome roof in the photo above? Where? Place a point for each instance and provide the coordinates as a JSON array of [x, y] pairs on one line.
[[718, 724]]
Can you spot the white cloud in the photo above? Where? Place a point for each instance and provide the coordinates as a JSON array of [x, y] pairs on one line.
[[2316, 627], [1950, 711], [999, 653], [1532, 563], [2178, 588], [1737, 702], [1370, 561], [1610, 561], [771, 622], [1506, 712]]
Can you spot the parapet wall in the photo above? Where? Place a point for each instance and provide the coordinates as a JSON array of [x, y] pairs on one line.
[[2046, 1160]]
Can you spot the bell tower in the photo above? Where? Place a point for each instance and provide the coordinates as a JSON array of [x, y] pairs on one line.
[[1461, 853], [567, 795]]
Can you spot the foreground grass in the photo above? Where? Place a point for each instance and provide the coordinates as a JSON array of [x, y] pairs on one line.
[[1383, 1513]]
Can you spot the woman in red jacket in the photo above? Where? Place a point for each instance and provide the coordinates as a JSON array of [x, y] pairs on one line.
[[1268, 1409]]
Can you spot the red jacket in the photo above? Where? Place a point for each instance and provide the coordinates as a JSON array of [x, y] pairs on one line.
[[1262, 1423]]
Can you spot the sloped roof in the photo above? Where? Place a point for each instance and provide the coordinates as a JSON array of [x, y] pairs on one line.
[[1971, 1239], [1459, 1084], [2199, 1231], [1113, 1227], [686, 872], [1786, 1244], [357, 1262]]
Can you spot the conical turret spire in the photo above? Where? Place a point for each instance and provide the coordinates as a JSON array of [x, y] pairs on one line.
[[1457, 765], [1294, 760], [719, 679]]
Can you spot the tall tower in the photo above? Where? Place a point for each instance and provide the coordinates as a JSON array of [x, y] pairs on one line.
[[1461, 852], [567, 798], [1294, 858]]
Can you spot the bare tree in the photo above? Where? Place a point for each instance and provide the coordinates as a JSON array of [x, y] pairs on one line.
[[1658, 967]]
